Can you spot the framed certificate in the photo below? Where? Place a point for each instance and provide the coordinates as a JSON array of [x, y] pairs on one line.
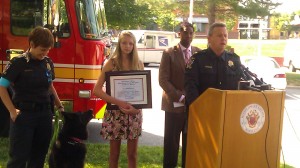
[[133, 87]]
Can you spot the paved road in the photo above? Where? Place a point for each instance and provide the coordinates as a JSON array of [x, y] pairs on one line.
[[291, 128]]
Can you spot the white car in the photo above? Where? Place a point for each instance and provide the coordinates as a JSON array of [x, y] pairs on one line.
[[266, 69]]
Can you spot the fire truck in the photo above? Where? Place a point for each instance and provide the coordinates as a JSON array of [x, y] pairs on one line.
[[81, 44]]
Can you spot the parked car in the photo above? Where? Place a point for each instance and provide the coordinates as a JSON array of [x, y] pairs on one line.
[[266, 69]]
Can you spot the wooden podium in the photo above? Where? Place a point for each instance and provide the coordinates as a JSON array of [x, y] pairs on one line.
[[235, 129]]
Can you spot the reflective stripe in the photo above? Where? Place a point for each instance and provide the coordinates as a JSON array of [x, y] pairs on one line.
[[4, 82]]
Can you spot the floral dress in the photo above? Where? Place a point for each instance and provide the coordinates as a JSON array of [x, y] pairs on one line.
[[117, 125]]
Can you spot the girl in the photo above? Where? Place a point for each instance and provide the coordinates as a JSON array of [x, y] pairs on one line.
[[125, 123]]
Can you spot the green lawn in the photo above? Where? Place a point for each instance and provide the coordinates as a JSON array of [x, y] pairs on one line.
[[97, 156], [293, 79], [272, 48]]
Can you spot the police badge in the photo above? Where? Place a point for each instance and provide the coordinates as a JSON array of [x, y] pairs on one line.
[[230, 63]]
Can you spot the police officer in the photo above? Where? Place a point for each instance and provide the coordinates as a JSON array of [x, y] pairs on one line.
[[213, 67], [31, 76]]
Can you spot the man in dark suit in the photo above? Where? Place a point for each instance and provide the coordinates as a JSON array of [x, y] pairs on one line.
[[171, 79]]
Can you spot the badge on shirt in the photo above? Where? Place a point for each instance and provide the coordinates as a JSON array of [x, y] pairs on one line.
[[48, 66], [230, 63]]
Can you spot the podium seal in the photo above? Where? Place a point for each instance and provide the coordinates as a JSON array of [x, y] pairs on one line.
[[252, 118]]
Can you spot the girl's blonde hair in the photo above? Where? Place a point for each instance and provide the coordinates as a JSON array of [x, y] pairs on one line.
[[134, 59]]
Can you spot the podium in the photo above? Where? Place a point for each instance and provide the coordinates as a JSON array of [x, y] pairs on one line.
[[235, 129]]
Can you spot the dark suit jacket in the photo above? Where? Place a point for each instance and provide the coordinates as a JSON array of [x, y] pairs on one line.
[[171, 77]]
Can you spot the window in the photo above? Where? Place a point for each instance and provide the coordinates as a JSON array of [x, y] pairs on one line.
[[25, 15], [254, 25], [63, 25], [91, 19], [201, 27], [243, 25], [150, 41]]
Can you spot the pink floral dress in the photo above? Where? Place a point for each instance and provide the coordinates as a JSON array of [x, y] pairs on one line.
[[117, 125]]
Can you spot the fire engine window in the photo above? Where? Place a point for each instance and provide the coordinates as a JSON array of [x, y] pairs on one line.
[[64, 27], [25, 15], [90, 19]]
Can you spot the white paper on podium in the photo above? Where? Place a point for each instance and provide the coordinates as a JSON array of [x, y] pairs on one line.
[[177, 104]]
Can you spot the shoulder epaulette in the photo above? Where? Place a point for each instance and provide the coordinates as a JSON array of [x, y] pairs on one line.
[[232, 54], [18, 57]]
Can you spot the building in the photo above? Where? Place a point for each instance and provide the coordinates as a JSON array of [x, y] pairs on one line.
[[253, 28]]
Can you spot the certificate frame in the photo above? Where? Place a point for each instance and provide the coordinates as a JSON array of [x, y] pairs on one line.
[[133, 87]]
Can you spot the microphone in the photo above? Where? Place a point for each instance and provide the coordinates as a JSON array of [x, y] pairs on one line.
[[248, 75], [253, 89], [245, 85], [249, 81]]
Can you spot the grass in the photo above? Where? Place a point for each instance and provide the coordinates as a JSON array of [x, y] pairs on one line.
[[272, 48], [97, 156], [293, 79]]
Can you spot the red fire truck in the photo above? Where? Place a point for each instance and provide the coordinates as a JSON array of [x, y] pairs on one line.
[[81, 43]]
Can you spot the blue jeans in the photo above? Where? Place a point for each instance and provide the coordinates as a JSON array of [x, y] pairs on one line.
[[30, 136]]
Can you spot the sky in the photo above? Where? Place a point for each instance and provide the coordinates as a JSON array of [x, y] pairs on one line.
[[288, 6]]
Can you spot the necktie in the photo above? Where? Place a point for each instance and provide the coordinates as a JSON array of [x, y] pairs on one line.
[[186, 55]]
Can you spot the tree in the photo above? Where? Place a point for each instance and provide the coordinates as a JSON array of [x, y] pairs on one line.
[[282, 21], [164, 12], [126, 14], [217, 9], [153, 14]]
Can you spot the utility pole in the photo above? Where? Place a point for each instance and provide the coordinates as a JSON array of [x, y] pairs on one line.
[[190, 19]]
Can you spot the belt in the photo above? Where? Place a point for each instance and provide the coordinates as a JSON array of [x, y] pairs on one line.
[[32, 105]]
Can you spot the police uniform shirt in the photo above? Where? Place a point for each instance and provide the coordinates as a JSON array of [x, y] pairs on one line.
[[31, 78], [207, 70]]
